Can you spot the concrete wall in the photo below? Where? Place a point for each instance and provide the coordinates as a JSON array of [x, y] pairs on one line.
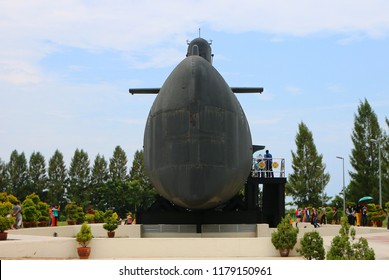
[[128, 244]]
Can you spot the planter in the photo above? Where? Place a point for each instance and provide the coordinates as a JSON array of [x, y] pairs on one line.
[[111, 234], [27, 224], [284, 252], [83, 252], [3, 235], [378, 223], [43, 223]]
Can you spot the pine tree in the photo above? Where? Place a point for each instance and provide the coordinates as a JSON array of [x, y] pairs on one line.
[[99, 179], [37, 175], [141, 191], [118, 165], [307, 182], [385, 164], [57, 180], [117, 187], [364, 155], [3, 177], [79, 179], [17, 172]]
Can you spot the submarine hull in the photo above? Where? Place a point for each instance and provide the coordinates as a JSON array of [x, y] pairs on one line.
[[197, 141]]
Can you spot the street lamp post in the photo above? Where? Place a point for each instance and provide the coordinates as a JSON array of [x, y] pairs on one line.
[[344, 190], [322, 183], [377, 141]]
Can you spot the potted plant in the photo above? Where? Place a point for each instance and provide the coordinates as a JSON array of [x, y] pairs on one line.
[[90, 218], [6, 220], [110, 226], [30, 213], [99, 216], [378, 217], [285, 237], [80, 215], [111, 223], [83, 237], [44, 217], [71, 213]]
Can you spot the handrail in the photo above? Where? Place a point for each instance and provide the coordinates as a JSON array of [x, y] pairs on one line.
[[268, 168]]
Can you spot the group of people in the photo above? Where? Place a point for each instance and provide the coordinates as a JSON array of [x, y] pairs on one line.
[[357, 215], [315, 216], [263, 166], [54, 215], [17, 213]]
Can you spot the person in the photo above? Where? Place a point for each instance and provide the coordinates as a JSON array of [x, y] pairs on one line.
[[269, 164], [51, 217], [308, 218], [364, 216], [314, 219], [256, 168], [17, 213], [55, 216], [129, 218], [298, 216], [358, 214], [323, 215], [335, 215], [350, 212]]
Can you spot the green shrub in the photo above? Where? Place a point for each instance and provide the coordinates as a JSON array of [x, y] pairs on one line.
[[30, 212], [344, 246], [312, 247], [84, 235], [71, 211], [285, 237]]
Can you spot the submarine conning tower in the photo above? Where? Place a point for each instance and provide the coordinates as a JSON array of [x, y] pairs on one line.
[[201, 47]]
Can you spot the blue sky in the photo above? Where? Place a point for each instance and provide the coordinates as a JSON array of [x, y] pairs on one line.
[[66, 67]]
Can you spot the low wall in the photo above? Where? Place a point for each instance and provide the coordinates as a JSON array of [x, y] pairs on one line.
[[130, 244]]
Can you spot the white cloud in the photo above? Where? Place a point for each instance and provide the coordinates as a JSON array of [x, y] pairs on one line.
[[35, 28]]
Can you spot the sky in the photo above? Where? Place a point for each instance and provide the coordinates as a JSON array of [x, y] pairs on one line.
[[66, 67]]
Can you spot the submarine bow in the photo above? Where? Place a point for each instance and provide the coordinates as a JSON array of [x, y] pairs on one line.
[[197, 141]]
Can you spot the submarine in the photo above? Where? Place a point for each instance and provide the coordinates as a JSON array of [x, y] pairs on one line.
[[197, 141]]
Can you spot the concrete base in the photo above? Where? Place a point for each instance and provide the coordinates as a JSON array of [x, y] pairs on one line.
[[40, 243]]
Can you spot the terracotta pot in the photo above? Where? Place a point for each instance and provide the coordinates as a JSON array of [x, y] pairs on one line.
[[83, 252], [3, 235], [378, 223], [43, 223], [284, 252], [26, 224], [111, 234]]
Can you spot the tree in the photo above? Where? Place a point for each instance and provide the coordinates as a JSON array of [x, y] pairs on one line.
[[118, 165], [79, 179], [3, 176], [57, 180], [307, 182], [99, 179], [37, 175], [116, 193], [385, 164], [364, 155], [17, 173], [142, 191]]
